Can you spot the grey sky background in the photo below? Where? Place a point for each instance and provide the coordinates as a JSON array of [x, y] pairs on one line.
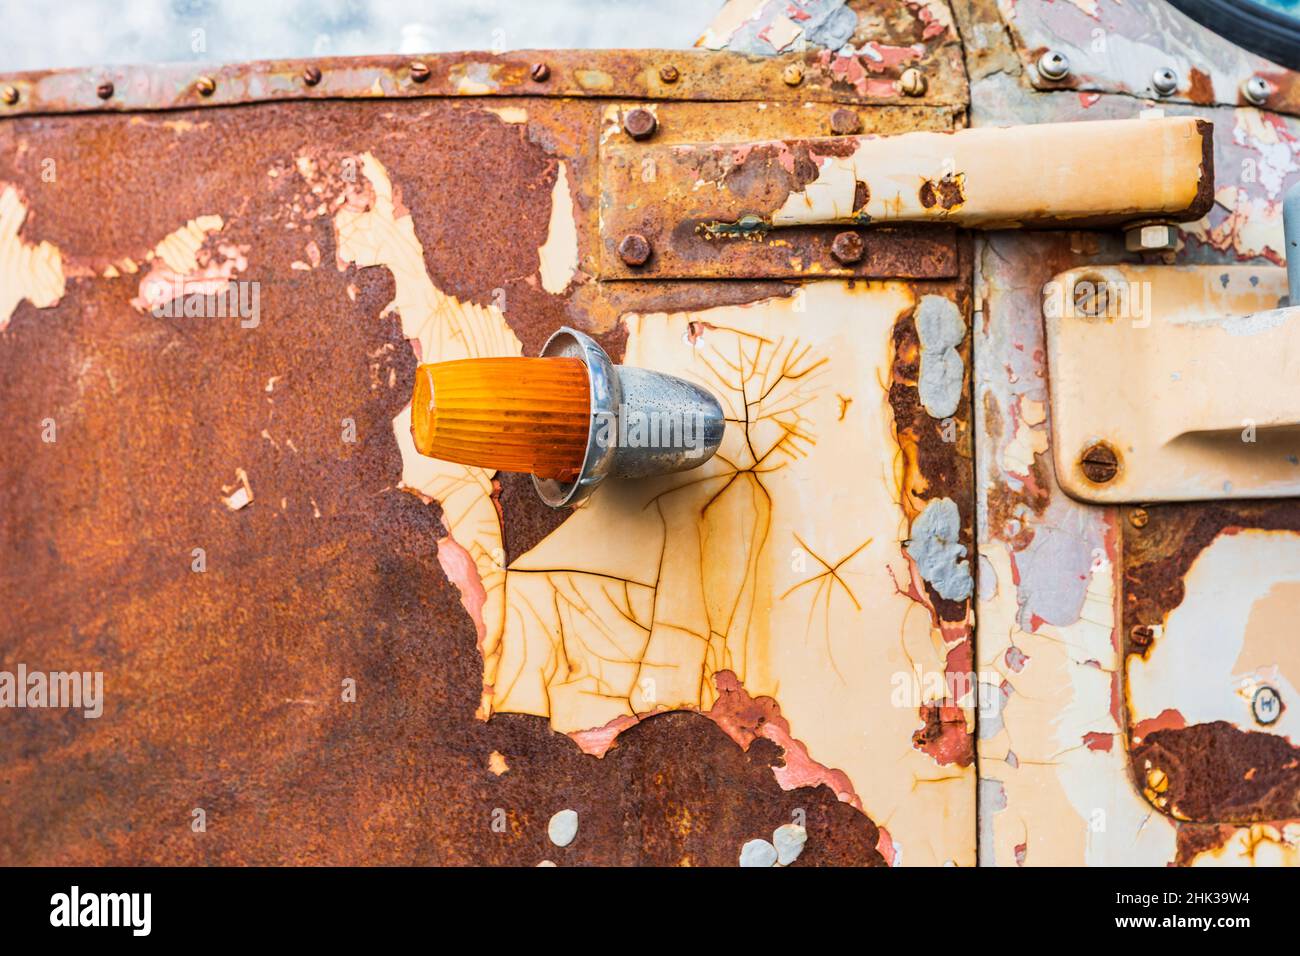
[[69, 33]]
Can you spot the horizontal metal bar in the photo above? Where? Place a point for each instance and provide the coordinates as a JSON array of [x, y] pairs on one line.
[[1090, 173]]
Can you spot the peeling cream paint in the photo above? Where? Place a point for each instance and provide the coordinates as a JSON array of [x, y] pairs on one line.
[[31, 272], [998, 179], [558, 256], [1222, 641]]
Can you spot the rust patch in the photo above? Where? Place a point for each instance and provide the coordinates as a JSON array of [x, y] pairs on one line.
[[936, 455], [1220, 774], [948, 192], [1156, 557]]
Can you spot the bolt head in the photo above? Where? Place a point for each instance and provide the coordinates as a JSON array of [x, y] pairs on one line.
[[420, 71], [1257, 90], [845, 122], [848, 248], [634, 249], [1138, 517], [640, 123], [792, 75], [311, 75], [1151, 237], [206, 85], [1054, 65], [104, 90], [1266, 705], [540, 72], [1099, 463], [1164, 81], [913, 82], [10, 95], [669, 74]]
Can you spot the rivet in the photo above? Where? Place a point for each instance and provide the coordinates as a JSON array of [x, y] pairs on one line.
[[639, 123], [1054, 65], [1164, 81], [1099, 463], [845, 122], [1138, 517], [10, 95], [104, 90], [540, 72], [634, 249], [1266, 705], [669, 74], [1141, 636], [792, 75], [912, 82], [311, 75], [1257, 90], [419, 71], [847, 248], [206, 85]]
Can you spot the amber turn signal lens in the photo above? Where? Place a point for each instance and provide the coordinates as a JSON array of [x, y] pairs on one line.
[[513, 414]]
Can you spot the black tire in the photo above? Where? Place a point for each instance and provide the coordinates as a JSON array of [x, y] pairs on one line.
[[1268, 33]]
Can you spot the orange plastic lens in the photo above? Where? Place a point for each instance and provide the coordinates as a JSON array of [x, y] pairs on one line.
[[513, 414]]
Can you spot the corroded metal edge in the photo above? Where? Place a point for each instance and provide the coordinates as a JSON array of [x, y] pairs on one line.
[[641, 74]]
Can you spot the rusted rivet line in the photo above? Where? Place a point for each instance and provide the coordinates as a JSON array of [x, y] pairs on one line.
[[639, 123], [104, 90], [1099, 463], [847, 248], [634, 249], [311, 75], [420, 71], [1138, 517], [912, 82], [792, 75], [845, 122], [1141, 636], [669, 74], [540, 72], [206, 85]]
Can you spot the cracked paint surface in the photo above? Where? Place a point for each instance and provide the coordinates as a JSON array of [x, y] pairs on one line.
[[718, 594]]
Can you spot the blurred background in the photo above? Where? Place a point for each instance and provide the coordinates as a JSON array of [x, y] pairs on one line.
[[92, 32]]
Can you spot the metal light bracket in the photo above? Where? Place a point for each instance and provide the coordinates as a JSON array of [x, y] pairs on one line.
[[618, 392]]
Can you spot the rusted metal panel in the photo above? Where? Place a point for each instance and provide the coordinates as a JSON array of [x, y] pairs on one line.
[[205, 532], [1210, 675], [634, 179], [1116, 46]]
